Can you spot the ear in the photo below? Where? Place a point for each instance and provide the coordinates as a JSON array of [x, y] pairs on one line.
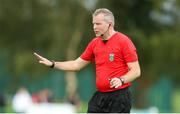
[[109, 25]]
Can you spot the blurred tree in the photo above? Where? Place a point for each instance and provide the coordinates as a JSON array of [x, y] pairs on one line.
[[56, 28], [50, 27], [154, 28]]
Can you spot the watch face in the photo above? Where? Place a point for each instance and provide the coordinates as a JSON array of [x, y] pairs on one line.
[[122, 79]]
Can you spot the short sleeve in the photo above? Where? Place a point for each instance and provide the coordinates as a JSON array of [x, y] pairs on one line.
[[88, 54], [129, 51]]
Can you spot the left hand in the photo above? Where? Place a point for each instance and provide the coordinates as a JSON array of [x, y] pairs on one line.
[[115, 83]]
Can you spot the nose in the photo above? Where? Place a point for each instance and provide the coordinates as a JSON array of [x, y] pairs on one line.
[[94, 26]]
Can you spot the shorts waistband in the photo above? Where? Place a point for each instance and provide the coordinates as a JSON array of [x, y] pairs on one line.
[[117, 91]]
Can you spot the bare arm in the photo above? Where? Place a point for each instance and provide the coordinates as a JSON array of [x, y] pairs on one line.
[[133, 73], [73, 65]]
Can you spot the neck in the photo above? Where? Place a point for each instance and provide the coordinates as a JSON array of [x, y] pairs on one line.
[[108, 34]]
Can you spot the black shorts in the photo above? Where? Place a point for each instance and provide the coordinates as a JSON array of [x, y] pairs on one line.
[[118, 101]]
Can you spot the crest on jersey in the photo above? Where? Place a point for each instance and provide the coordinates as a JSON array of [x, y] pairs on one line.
[[111, 57]]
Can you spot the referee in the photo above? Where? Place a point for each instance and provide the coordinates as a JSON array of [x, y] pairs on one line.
[[116, 62]]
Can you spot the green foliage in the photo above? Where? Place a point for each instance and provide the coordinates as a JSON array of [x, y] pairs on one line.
[[48, 27], [157, 42], [35, 25]]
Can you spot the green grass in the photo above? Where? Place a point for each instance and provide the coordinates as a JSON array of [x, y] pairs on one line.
[[83, 108]]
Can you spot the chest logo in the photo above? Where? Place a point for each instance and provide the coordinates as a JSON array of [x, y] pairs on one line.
[[111, 57]]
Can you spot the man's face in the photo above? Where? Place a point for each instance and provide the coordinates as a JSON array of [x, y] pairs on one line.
[[100, 26]]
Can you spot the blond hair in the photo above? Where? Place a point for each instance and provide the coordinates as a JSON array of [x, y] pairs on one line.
[[108, 15]]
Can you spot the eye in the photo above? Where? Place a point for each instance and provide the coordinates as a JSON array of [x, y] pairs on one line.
[[98, 23]]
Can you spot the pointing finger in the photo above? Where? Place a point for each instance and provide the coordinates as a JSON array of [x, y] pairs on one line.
[[38, 56]]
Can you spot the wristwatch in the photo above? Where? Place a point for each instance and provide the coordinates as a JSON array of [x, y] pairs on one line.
[[53, 64], [122, 80]]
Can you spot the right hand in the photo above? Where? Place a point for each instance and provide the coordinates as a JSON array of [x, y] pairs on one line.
[[43, 60]]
